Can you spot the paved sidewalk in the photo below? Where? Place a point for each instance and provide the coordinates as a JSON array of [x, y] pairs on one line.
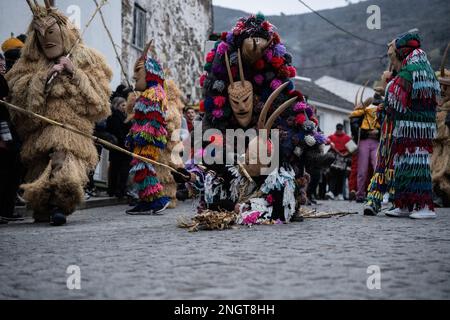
[[125, 257]]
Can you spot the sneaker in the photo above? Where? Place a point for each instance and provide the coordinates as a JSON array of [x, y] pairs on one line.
[[360, 200], [57, 218], [424, 213], [397, 213], [329, 195], [340, 197], [369, 211], [141, 209], [159, 210], [352, 195]]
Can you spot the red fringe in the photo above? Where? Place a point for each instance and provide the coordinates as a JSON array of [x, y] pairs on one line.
[[410, 145], [414, 201]]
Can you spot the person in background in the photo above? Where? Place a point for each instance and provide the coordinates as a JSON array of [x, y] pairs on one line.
[[119, 162], [11, 48], [9, 161], [338, 169], [369, 136], [190, 115]]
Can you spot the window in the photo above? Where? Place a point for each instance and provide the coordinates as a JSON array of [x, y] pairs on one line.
[[139, 27]]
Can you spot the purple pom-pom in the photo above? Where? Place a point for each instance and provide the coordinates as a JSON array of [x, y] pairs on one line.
[[275, 84], [230, 38], [309, 112], [320, 138], [300, 107], [217, 113], [279, 50], [259, 79], [218, 69]]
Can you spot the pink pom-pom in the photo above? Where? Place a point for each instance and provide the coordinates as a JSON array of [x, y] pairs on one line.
[[222, 48], [219, 101], [268, 55], [218, 113], [275, 84]]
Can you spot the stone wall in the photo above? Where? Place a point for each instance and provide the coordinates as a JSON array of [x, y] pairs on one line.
[[180, 29]]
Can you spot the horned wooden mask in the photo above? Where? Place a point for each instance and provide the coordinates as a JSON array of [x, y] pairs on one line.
[[46, 24], [253, 49], [240, 94]]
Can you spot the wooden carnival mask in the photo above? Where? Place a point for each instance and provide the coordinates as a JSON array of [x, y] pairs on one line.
[[252, 161], [140, 74], [240, 94], [253, 49], [48, 30]]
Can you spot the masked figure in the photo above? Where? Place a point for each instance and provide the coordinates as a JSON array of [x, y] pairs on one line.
[[441, 155], [148, 135], [407, 133], [58, 160], [247, 85]]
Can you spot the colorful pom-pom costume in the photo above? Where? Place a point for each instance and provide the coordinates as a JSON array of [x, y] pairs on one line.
[[148, 135], [408, 130]]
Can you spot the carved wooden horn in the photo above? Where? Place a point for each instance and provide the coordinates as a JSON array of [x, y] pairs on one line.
[[230, 75], [278, 112], [48, 5], [147, 47], [241, 68], [357, 96], [444, 59], [268, 104], [362, 93], [32, 7]]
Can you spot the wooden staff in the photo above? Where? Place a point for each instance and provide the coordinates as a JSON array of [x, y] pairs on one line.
[[114, 46], [97, 140]]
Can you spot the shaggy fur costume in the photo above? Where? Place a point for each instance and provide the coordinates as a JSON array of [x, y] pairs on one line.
[[440, 161], [174, 113], [77, 101]]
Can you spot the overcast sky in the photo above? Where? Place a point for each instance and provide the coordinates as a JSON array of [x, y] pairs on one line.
[[275, 7]]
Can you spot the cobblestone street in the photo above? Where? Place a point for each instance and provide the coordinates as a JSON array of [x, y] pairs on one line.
[[125, 257]]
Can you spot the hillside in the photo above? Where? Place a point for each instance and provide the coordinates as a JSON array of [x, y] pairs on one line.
[[313, 42]]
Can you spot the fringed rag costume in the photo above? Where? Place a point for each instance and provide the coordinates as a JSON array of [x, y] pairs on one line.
[[408, 130], [58, 161], [148, 135]]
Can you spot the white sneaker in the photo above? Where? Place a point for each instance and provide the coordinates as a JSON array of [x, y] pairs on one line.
[[424, 213], [329, 195], [398, 213], [341, 197]]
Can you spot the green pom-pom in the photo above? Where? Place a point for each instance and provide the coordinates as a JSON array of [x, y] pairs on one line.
[[217, 44], [260, 16], [208, 66]]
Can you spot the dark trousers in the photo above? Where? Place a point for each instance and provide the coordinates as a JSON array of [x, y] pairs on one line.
[[314, 183], [10, 177], [118, 177], [336, 181]]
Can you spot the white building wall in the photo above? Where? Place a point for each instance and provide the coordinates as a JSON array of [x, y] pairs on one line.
[[179, 29]]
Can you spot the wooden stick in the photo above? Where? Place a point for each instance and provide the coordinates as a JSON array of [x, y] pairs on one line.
[[98, 140], [114, 46]]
